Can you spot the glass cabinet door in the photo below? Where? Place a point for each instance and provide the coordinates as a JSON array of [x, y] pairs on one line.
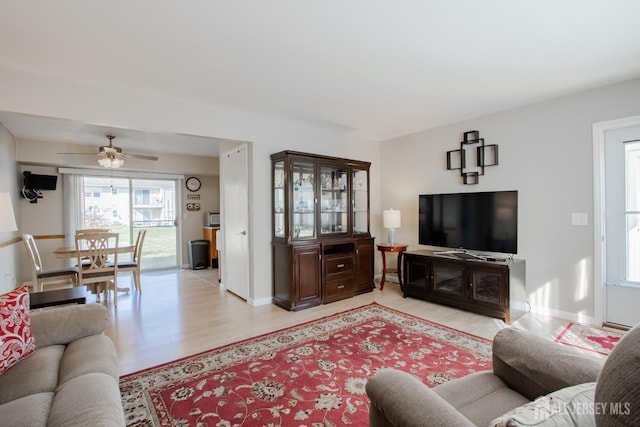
[[278, 199], [487, 286], [360, 183], [304, 200], [334, 200], [449, 279]]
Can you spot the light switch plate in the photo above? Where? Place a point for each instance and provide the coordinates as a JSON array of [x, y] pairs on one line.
[[579, 218]]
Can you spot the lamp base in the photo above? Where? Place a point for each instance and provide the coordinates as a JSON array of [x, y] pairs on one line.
[[391, 236]]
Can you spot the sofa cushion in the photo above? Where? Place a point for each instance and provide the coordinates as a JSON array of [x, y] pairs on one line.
[[36, 374], [480, 396], [95, 353], [28, 411], [67, 323], [87, 400], [517, 361], [570, 406], [618, 387], [16, 340]]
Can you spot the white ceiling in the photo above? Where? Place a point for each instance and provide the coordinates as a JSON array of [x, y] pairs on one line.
[[378, 68]]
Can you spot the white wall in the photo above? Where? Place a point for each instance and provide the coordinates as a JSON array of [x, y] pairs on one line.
[[96, 102], [545, 152], [9, 255]]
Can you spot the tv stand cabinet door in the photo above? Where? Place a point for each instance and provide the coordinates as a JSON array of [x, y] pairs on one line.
[[450, 280], [489, 287], [416, 271]]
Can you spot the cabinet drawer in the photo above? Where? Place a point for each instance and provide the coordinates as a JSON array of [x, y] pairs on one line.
[[338, 289], [339, 265]]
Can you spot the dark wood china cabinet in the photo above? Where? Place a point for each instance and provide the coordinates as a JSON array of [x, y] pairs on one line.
[[321, 243]]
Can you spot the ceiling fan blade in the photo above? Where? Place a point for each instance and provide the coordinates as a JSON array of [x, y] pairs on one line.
[[140, 156], [83, 154]]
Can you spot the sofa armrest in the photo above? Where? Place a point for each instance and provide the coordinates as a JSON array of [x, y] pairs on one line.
[[62, 325], [399, 399], [535, 366]]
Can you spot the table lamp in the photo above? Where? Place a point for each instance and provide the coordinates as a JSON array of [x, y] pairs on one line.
[[391, 221], [7, 218]]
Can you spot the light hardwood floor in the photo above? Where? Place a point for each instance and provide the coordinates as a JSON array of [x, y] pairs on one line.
[[183, 312]]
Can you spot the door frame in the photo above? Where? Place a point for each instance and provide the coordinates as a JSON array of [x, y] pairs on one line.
[[599, 130]]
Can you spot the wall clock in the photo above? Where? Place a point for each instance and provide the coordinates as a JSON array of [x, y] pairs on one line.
[[193, 183]]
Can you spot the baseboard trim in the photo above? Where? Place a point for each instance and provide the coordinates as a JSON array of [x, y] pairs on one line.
[[259, 301]]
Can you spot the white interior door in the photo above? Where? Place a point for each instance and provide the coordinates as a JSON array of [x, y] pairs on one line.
[[235, 221]]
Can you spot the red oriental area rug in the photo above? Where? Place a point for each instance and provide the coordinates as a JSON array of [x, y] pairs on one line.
[[589, 338], [312, 374]]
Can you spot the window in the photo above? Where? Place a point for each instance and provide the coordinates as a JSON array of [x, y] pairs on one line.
[[622, 212], [632, 210]]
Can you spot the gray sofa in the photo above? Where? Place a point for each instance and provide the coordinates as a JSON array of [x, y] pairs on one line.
[[525, 367], [72, 377]]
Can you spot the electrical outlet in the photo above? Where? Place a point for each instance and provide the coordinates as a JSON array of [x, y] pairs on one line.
[[579, 218]]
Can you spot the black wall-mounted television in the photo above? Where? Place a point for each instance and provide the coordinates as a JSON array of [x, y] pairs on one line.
[[483, 221], [34, 181]]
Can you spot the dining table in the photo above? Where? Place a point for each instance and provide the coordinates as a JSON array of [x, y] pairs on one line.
[[71, 252]]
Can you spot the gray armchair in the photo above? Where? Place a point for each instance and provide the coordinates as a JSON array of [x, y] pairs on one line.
[[525, 367]]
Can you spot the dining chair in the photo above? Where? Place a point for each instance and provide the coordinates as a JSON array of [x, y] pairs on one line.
[[39, 274], [97, 255], [134, 264], [92, 230]]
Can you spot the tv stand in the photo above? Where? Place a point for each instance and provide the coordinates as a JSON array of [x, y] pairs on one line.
[[491, 288], [466, 255]]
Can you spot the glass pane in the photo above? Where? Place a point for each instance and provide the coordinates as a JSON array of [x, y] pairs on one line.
[[632, 160], [360, 202], [303, 200], [632, 231], [278, 199], [334, 198], [486, 287], [448, 280], [633, 247]]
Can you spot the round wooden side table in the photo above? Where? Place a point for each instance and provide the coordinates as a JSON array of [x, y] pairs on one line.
[[388, 247]]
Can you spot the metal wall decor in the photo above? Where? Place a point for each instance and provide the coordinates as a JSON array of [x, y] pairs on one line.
[[486, 155]]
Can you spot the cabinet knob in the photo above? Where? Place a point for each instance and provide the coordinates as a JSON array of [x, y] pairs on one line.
[[340, 286], [340, 265]]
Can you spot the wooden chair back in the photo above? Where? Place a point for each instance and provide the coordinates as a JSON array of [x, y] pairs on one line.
[[38, 273], [97, 255]]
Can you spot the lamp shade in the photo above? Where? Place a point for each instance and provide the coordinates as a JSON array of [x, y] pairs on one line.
[[7, 219], [391, 219]]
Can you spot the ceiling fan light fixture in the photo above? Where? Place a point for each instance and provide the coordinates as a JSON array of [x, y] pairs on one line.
[[110, 160], [111, 157]]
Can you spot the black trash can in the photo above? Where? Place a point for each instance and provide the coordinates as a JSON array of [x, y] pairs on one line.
[[198, 254]]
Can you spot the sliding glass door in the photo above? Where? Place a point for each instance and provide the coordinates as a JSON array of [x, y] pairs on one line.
[[127, 205]]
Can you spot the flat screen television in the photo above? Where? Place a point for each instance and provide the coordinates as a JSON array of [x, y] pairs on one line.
[[34, 181], [483, 221]]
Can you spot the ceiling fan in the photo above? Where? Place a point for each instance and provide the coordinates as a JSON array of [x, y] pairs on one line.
[[110, 156]]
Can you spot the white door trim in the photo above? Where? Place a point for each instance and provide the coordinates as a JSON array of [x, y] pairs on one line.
[[599, 130]]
